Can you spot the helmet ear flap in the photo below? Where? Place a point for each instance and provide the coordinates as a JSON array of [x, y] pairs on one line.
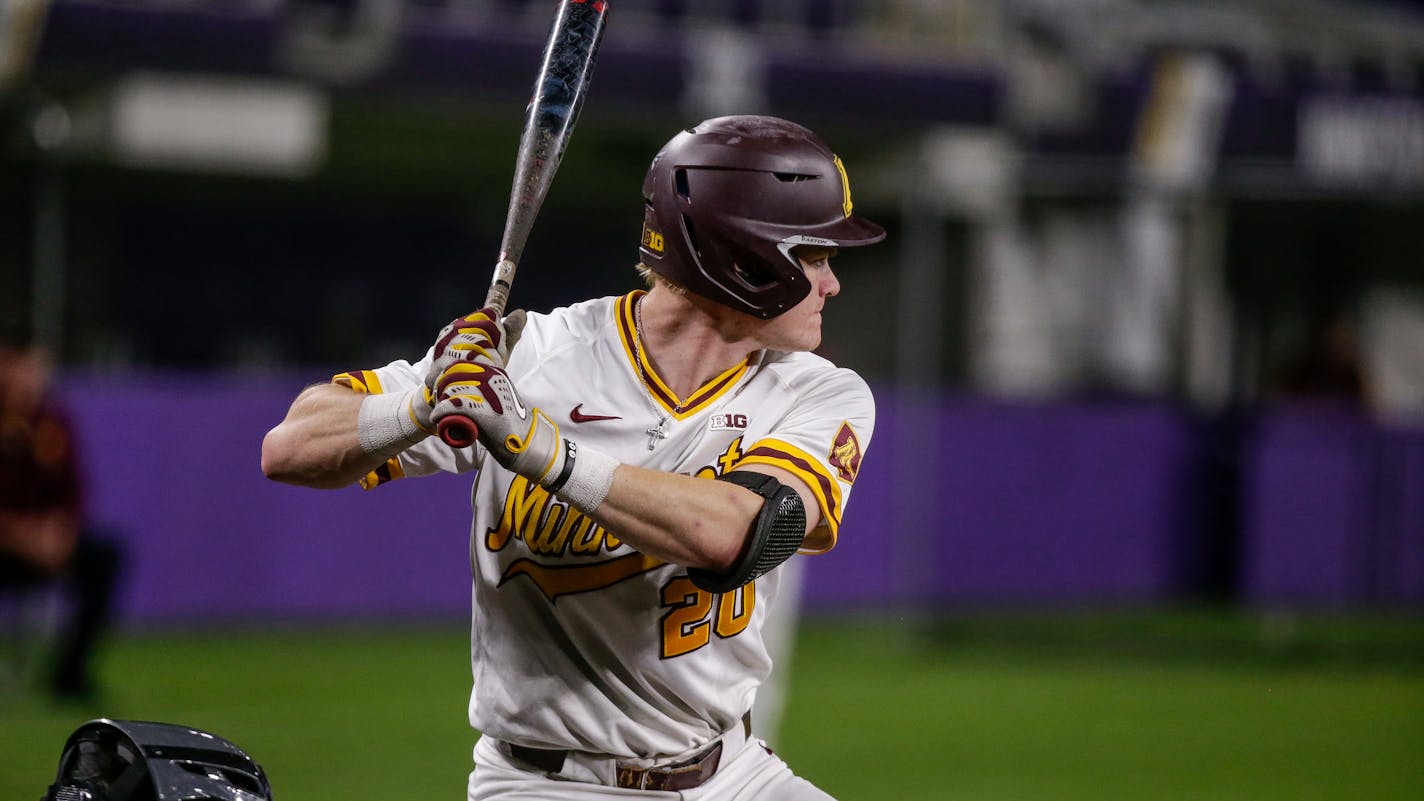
[[730, 262], [689, 232], [751, 275]]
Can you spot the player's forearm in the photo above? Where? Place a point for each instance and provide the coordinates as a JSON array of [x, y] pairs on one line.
[[694, 522], [317, 444]]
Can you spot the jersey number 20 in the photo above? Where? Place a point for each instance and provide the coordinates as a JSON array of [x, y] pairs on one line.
[[694, 614]]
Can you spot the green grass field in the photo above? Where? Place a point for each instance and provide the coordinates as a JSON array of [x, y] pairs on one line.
[[1129, 708]]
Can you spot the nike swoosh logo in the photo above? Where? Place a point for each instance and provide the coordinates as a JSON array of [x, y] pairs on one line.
[[576, 414]]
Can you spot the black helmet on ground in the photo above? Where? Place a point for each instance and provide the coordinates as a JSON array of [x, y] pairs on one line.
[[128, 760]]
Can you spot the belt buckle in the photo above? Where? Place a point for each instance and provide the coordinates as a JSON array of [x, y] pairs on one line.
[[632, 778]]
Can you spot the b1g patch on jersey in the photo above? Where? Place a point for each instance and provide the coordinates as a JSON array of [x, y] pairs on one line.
[[727, 422], [845, 454]]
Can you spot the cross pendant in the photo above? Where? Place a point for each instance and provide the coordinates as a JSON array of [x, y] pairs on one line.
[[655, 434]]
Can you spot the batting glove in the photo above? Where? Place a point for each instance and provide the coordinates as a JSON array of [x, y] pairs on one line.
[[388, 424], [476, 335], [521, 438], [469, 379]]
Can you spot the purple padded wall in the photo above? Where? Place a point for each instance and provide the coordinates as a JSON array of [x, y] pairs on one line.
[[173, 467], [958, 502]]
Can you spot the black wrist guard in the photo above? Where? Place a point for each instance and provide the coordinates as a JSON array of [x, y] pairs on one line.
[[775, 535]]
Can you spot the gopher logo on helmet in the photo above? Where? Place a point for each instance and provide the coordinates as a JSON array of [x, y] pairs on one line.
[[845, 454], [846, 205]]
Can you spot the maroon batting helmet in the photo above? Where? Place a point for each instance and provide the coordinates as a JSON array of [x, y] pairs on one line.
[[727, 200]]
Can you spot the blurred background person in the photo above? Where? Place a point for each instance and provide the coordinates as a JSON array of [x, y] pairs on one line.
[[44, 538], [1331, 366]]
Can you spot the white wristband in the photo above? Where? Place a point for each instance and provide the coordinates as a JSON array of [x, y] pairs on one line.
[[384, 424], [589, 479]]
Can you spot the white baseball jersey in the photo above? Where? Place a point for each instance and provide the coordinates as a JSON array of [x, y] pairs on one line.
[[578, 641]]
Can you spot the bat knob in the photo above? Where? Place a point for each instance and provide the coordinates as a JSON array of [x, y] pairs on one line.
[[458, 432]]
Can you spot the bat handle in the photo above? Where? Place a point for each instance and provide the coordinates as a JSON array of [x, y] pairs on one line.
[[503, 281], [458, 432]]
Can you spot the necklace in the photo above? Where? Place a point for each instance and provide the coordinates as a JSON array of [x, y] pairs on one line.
[[659, 431]]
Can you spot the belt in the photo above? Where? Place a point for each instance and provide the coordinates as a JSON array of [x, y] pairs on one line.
[[685, 775]]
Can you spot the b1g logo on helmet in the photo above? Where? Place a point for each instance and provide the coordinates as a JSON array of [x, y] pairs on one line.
[[652, 240], [727, 422]]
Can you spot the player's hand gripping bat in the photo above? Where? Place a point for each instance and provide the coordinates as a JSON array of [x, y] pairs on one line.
[[548, 123]]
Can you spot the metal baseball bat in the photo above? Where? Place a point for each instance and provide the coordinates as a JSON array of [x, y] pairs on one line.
[[549, 121]]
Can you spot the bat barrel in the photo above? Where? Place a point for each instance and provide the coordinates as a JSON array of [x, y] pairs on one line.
[[549, 121], [558, 97]]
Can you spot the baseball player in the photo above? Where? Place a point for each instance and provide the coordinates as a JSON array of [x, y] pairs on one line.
[[645, 463]]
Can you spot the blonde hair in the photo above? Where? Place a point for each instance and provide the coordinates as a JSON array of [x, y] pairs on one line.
[[652, 279]]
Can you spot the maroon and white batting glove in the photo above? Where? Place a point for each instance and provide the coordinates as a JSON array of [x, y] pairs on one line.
[[388, 424], [479, 334], [520, 437]]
